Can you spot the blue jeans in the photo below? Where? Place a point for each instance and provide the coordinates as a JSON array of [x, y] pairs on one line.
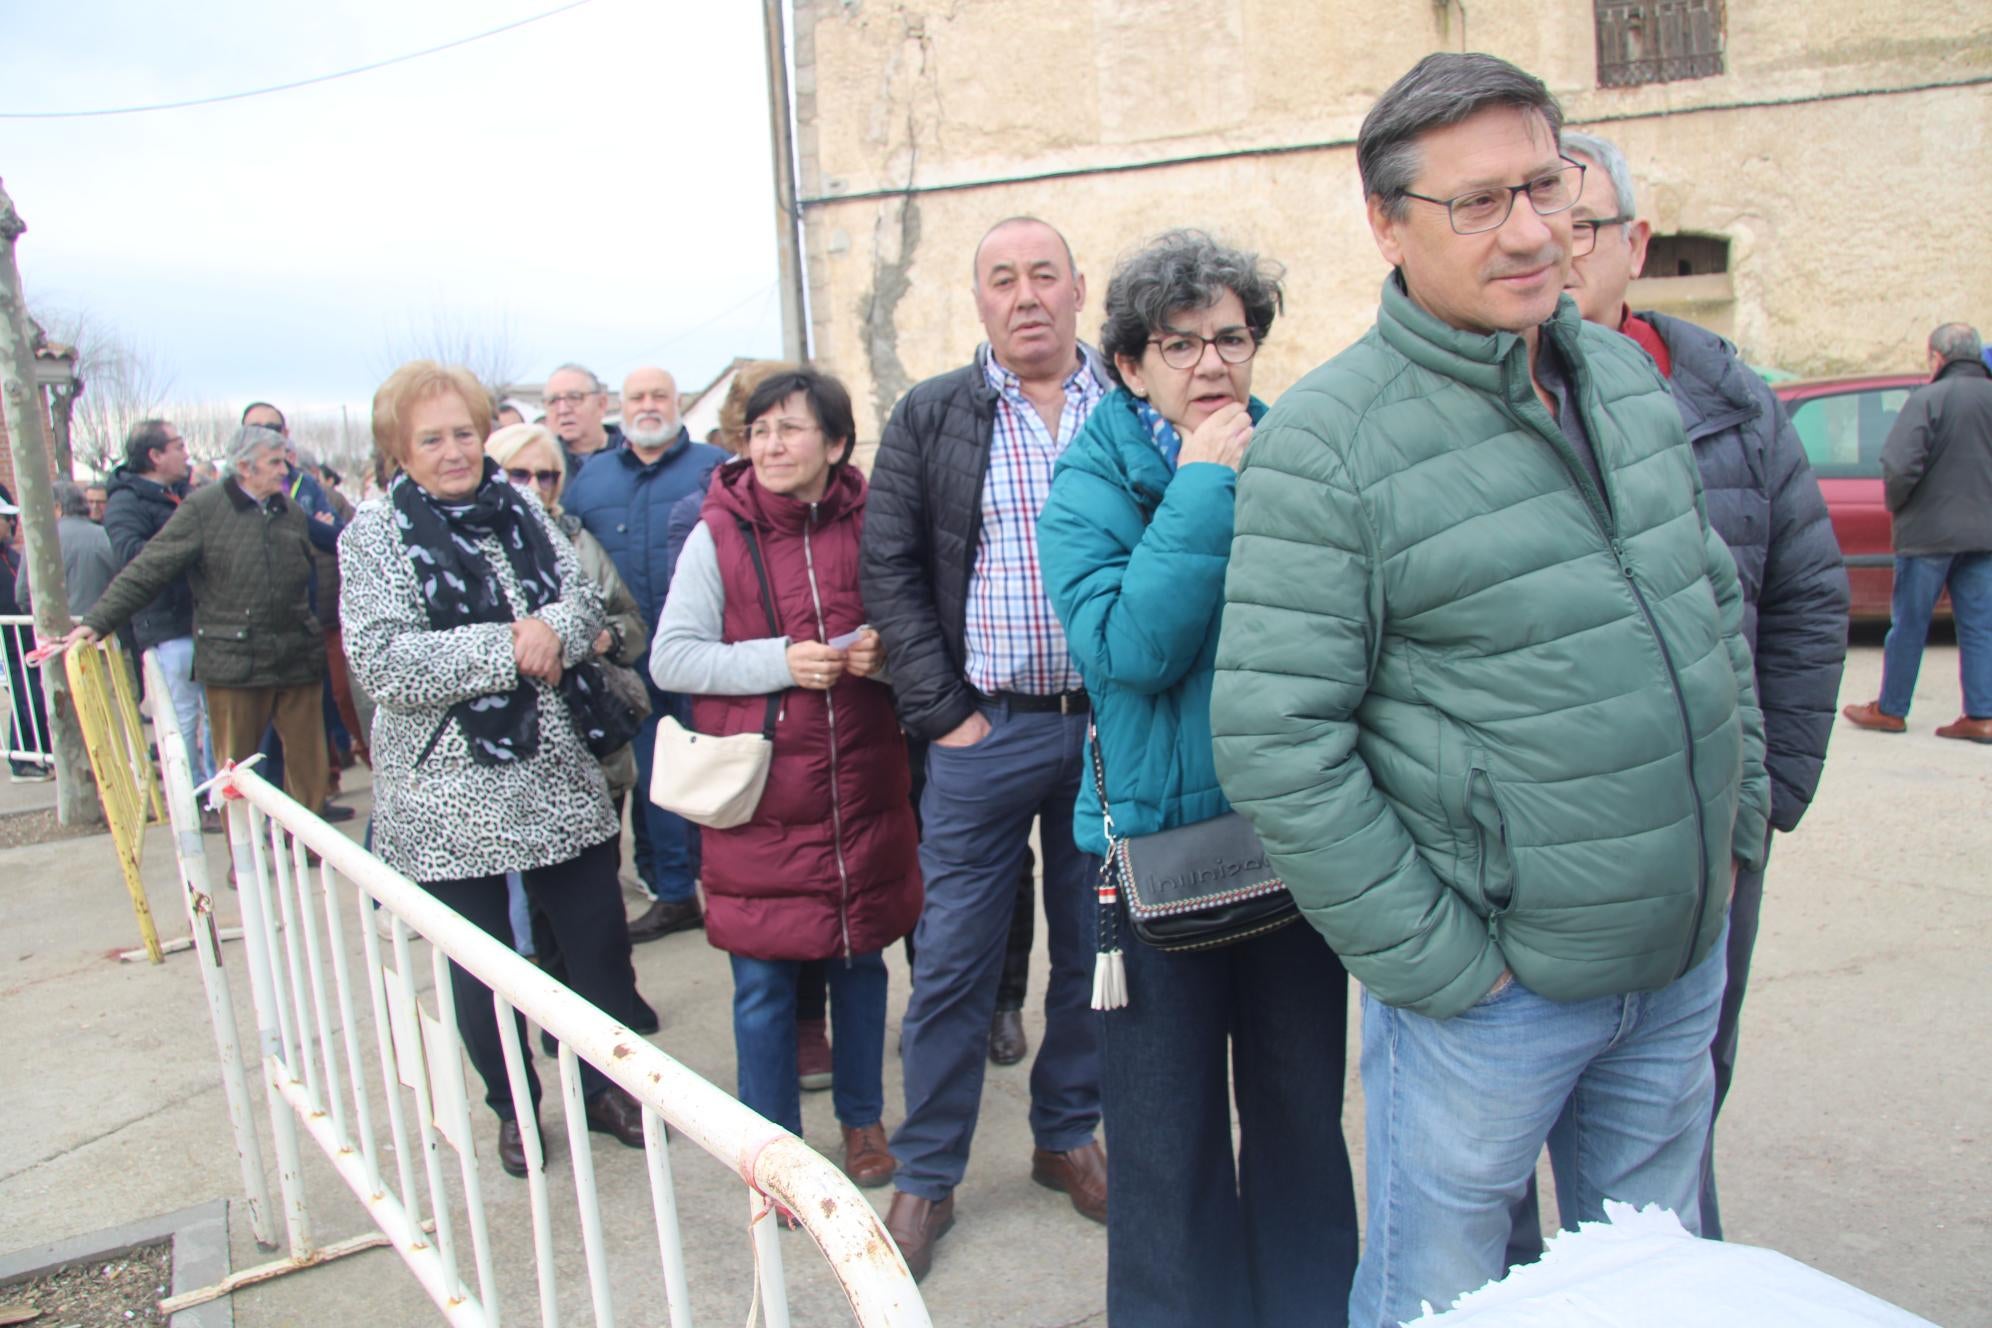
[[1621, 1088], [976, 813], [764, 1038], [665, 841], [517, 909], [1918, 583], [1194, 1237]]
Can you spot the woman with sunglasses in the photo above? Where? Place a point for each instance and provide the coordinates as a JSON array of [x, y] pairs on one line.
[[1134, 540]]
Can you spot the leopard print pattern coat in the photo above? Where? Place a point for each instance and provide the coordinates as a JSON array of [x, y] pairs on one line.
[[440, 816]]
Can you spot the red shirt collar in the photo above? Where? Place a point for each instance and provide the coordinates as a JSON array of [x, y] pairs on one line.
[[1648, 338]]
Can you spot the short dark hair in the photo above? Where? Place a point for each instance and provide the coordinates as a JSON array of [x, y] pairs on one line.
[[282, 423], [975, 260], [1440, 90], [1183, 269], [828, 401], [145, 438]]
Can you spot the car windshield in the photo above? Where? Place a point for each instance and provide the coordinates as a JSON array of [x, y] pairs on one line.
[[1843, 433]]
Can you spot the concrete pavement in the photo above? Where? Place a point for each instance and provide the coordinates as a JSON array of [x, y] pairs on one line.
[[1856, 1136]]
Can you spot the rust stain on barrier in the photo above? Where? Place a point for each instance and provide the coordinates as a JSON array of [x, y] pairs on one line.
[[622, 1050], [829, 1206]]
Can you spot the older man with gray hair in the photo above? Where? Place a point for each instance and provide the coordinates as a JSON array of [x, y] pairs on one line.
[[88, 561], [246, 551]]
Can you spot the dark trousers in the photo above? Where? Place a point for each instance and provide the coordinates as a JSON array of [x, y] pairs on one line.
[[1525, 1242], [976, 814], [583, 904], [1194, 1236], [1014, 984]]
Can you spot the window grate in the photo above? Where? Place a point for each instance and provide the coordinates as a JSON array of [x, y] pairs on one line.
[[1658, 41]]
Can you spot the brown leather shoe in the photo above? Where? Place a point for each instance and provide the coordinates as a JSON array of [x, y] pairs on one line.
[[1869, 716], [1081, 1173], [616, 1112], [512, 1148], [661, 919], [867, 1160], [915, 1224], [1969, 729], [1007, 1043]]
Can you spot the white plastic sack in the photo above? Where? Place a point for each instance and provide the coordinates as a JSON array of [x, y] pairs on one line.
[[1641, 1269]]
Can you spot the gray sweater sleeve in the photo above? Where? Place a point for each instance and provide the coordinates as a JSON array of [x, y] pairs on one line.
[[687, 655]]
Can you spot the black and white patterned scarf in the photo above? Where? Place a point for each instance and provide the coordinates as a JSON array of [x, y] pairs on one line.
[[459, 586]]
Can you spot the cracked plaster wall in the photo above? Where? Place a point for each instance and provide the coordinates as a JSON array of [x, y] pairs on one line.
[[1855, 225]]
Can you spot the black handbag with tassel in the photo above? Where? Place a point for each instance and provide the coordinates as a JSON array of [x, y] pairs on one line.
[[1195, 887]]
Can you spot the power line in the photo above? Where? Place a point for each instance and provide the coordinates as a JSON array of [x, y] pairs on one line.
[[296, 83]]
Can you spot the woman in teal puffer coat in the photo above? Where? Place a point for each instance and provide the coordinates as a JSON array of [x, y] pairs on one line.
[[1134, 540]]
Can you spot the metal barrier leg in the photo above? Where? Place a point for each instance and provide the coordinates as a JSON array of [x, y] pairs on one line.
[[584, 1184], [515, 1076], [664, 1201]]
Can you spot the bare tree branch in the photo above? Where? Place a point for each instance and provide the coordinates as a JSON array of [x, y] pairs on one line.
[[481, 344]]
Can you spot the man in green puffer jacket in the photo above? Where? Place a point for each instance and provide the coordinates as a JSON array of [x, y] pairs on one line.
[[1482, 691]]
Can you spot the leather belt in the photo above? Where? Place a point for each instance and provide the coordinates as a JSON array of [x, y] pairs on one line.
[[1062, 703]]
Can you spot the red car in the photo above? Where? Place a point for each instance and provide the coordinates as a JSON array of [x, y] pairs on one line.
[[1843, 423]]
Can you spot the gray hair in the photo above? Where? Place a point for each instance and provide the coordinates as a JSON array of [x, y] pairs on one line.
[[1178, 270], [1441, 90], [70, 499], [1611, 161], [249, 440], [595, 384], [1957, 342]]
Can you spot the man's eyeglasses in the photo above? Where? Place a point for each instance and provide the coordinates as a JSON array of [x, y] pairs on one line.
[[1584, 233], [560, 399], [520, 475], [1488, 209], [1183, 350]]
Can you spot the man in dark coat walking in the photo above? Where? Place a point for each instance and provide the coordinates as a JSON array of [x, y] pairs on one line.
[[1765, 503], [1937, 465]]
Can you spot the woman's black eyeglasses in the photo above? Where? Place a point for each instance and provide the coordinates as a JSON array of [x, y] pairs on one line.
[[519, 475], [1182, 350]]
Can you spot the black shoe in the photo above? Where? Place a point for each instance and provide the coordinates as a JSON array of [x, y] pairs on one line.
[[615, 1112], [332, 813], [643, 1018], [549, 1044], [664, 917], [1007, 1043], [512, 1148]]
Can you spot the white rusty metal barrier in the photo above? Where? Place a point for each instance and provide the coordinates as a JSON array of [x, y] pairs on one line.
[[315, 1053], [24, 726]]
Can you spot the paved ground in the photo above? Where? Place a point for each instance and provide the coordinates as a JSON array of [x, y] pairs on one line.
[[1858, 1137]]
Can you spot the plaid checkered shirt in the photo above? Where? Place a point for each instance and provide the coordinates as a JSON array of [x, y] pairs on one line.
[[1014, 642]]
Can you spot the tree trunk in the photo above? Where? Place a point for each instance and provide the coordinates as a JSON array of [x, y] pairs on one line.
[[75, 791], [62, 415]]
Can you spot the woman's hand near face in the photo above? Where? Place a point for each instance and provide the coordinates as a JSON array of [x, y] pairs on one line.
[[815, 665], [866, 657], [536, 650], [1220, 439]]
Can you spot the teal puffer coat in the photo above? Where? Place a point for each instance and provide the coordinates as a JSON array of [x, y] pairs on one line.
[[1133, 560], [1481, 714]]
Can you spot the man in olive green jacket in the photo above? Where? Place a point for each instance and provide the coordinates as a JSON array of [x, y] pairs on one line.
[[246, 552], [1482, 691]]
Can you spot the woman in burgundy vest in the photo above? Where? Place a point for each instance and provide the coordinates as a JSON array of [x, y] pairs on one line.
[[764, 602]]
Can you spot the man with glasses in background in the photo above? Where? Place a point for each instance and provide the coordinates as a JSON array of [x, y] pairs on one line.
[[1765, 503], [575, 402], [1483, 691], [624, 499]]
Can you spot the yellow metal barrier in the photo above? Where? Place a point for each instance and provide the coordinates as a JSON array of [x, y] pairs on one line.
[[100, 681]]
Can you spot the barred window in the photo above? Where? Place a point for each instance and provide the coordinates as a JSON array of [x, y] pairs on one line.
[[1658, 41]]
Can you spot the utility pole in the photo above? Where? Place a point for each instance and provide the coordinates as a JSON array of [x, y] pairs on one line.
[[788, 239], [75, 793]]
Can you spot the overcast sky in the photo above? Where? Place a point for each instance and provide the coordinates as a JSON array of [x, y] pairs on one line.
[[598, 183]]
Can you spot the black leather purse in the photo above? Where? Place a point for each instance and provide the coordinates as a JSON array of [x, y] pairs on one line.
[[1196, 887], [607, 702]]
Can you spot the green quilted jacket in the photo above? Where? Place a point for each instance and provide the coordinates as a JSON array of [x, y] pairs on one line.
[[1482, 714]]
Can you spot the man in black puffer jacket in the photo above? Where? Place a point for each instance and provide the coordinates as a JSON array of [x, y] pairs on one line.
[[1765, 503], [144, 493]]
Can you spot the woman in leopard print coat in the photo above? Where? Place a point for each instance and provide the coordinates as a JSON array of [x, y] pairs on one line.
[[463, 605]]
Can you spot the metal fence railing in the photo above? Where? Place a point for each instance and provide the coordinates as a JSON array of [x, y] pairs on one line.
[[335, 1020], [25, 731]]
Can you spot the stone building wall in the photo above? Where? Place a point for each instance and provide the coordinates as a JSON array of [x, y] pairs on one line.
[[1843, 154]]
